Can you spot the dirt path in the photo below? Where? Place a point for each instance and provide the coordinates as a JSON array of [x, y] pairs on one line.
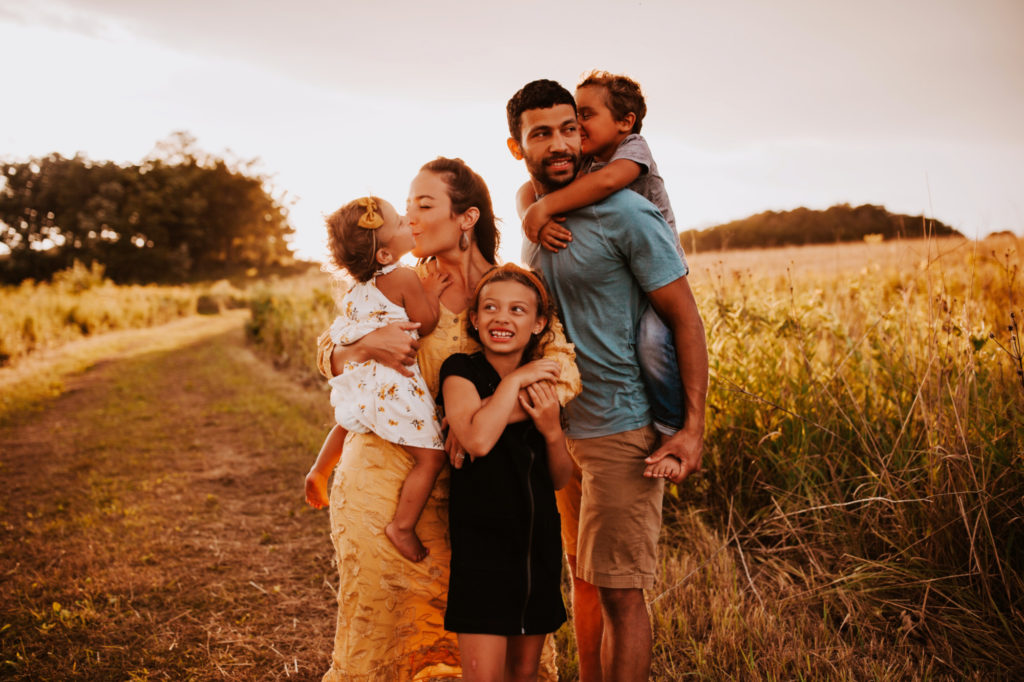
[[152, 524]]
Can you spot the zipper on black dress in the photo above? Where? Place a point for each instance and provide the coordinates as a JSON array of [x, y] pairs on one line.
[[529, 541]]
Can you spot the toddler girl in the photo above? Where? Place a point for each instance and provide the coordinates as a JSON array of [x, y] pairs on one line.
[[504, 591], [366, 237]]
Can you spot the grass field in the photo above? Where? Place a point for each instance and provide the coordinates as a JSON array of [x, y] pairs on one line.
[[859, 514], [80, 302]]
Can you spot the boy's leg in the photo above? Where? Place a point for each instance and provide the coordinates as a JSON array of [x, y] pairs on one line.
[[483, 657], [427, 464], [522, 658], [659, 368]]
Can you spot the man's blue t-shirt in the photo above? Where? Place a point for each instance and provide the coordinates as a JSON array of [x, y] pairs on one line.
[[621, 248]]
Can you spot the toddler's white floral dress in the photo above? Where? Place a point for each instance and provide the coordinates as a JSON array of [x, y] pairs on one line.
[[369, 396]]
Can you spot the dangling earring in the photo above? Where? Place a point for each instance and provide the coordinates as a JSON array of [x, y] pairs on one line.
[[464, 241]]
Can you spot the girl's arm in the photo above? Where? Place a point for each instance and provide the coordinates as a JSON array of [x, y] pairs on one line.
[[477, 424], [583, 191], [326, 460], [541, 403]]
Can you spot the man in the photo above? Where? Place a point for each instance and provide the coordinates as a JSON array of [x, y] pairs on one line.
[[622, 255]]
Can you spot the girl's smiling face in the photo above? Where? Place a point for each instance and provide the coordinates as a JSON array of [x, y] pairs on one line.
[[506, 316]]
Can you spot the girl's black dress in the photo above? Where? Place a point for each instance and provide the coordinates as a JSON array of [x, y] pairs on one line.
[[505, 530]]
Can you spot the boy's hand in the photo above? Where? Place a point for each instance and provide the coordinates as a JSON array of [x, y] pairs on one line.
[[316, 490], [435, 283], [534, 219], [541, 227], [541, 402], [554, 236]]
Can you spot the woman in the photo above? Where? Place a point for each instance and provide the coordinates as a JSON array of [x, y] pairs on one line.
[[391, 611]]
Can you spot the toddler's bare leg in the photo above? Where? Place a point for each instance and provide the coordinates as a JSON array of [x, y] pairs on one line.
[[401, 531]]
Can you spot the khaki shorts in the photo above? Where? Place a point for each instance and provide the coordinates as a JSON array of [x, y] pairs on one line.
[[611, 513]]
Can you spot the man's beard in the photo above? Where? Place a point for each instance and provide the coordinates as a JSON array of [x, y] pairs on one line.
[[539, 170]]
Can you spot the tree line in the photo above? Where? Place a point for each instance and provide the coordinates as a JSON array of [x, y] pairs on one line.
[[840, 223], [179, 215]]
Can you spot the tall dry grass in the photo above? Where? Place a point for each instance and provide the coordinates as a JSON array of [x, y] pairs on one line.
[[81, 302], [864, 475], [859, 515]]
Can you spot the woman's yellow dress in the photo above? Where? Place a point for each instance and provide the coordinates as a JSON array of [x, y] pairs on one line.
[[390, 610]]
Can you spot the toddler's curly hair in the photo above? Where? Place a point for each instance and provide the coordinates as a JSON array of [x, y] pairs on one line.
[[352, 247]]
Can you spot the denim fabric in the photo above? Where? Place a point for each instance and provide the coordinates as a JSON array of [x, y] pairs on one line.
[[659, 369]]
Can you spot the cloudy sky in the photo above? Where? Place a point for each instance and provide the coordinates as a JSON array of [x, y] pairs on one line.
[[753, 105]]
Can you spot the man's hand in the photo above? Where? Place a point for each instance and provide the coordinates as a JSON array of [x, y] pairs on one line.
[[686, 446]]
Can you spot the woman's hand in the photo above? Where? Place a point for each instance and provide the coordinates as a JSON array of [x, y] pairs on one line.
[[456, 453], [538, 370], [541, 402], [390, 345]]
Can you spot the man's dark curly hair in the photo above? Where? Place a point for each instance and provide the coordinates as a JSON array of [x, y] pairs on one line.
[[539, 94]]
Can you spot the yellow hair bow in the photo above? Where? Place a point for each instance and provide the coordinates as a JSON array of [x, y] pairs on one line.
[[372, 219]]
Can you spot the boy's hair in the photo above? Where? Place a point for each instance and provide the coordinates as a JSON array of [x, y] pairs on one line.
[[545, 306], [352, 247], [539, 94], [624, 96], [466, 189]]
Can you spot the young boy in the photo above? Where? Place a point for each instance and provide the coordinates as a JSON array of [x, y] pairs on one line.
[[610, 110]]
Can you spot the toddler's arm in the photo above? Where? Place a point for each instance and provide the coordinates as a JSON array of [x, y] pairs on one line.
[[583, 191], [421, 299], [316, 480], [478, 424]]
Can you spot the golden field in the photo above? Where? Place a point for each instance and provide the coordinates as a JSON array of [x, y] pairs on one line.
[[859, 515]]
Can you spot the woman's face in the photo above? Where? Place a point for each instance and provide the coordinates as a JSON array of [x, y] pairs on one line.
[[429, 211]]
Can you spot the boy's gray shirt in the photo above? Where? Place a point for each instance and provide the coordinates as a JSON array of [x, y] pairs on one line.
[[649, 184]]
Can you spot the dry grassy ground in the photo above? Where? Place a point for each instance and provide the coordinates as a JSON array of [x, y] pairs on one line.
[[153, 524]]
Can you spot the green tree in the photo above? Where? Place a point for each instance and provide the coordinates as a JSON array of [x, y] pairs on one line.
[[179, 215]]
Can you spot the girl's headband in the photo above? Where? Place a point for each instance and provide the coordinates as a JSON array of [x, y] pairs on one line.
[[542, 291]]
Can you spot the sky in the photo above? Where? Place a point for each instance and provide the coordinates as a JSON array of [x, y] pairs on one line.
[[753, 105]]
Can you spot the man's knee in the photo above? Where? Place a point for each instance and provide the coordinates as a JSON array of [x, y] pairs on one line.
[[621, 602]]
